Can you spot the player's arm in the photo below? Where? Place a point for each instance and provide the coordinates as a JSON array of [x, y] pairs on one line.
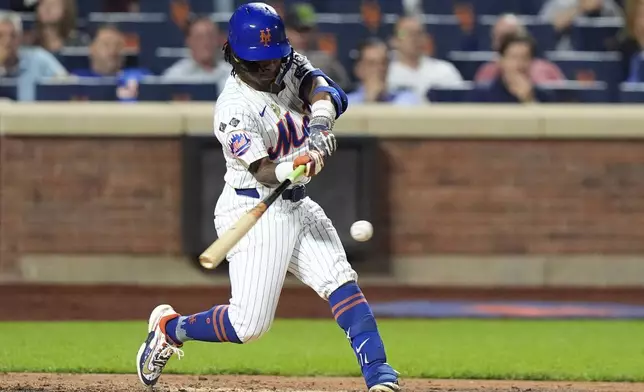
[[327, 100], [264, 171]]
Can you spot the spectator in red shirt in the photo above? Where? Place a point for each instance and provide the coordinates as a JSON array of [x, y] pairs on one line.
[[541, 70]]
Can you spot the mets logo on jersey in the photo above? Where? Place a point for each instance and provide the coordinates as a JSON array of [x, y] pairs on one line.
[[265, 36], [239, 143], [289, 137]]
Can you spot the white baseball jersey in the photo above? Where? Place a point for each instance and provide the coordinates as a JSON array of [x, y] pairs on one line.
[[253, 124], [294, 237]]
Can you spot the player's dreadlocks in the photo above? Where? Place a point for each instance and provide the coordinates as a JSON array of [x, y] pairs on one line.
[[228, 57]]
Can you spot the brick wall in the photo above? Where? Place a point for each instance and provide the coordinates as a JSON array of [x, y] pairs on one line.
[[71, 195], [538, 197], [67, 195]]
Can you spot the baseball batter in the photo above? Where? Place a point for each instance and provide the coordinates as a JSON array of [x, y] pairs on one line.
[[275, 113]]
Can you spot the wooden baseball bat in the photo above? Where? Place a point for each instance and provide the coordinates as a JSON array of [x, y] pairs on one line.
[[217, 251]]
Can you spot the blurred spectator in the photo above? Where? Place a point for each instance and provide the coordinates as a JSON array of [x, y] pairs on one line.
[[541, 70], [28, 65], [562, 13], [371, 70], [56, 26], [106, 60], [411, 68], [513, 84], [300, 22], [204, 63], [631, 38]]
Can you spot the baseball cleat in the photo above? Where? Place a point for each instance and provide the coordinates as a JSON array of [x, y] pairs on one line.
[[382, 378], [157, 349], [386, 387]]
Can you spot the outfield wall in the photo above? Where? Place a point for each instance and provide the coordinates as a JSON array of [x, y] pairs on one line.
[[461, 195]]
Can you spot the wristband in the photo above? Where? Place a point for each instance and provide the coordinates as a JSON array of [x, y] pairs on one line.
[[325, 109], [282, 170]]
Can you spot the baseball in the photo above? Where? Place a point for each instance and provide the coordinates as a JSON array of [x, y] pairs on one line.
[[361, 231]]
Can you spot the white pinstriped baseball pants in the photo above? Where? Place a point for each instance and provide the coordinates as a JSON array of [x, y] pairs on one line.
[[295, 237]]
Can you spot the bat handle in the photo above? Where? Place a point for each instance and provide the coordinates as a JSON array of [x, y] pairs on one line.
[[295, 174]]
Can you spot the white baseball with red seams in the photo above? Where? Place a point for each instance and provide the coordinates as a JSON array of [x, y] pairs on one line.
[[294, 237], [361, 230]]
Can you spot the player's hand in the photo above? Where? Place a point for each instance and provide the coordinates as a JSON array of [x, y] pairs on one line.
[[321, 139], [313, 160]]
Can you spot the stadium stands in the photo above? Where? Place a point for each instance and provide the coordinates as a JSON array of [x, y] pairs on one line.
[[459, 31]]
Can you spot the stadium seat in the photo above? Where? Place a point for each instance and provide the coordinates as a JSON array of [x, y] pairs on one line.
[[153, 89], [342, 38], [8, 89], [586, 65], [446, 34], [590, 67], [485, 7], [73, 58], [351, 7], [468, 63], [595, 34], [496, 7], [640, 68], [451, 94], [541, 31], [77, 89], [578, 92], [28, 21], [342, 6], [531, 7], [84, 8], [157, 35], [179, 9], [631, 93]]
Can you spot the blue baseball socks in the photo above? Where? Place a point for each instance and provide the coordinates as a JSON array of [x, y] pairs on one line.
[[213, 325], [354, 316]]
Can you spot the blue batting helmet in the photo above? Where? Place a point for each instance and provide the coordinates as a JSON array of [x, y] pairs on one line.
[[256, 33]]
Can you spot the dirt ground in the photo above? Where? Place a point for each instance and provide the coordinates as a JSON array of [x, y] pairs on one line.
[[28, 382]]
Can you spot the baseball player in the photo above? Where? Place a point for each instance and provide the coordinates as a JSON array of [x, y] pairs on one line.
[[275, 113]]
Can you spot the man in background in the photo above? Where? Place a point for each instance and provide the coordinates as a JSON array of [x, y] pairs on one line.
[[513, 83], [204, 62], [106, 57], [411, 68], [27, 65], [541, 70], [300, 21], [371, 70]]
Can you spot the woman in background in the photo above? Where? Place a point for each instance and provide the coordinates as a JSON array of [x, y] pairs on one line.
[[55, 26]]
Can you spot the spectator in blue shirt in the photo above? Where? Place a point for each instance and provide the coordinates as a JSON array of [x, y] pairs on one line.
[[106, 60], [513, 84], [27, 65], [371, 71]]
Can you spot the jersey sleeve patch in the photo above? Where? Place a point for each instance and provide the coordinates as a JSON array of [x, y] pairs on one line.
[[239, 143]]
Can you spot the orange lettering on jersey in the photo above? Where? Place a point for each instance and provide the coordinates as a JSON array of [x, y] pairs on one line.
[[288, 136], [265, 36]]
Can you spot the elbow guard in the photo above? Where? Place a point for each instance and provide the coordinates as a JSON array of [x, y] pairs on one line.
[[338, 96]]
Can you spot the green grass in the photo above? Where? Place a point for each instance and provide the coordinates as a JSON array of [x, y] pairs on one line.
[[558, 350]]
